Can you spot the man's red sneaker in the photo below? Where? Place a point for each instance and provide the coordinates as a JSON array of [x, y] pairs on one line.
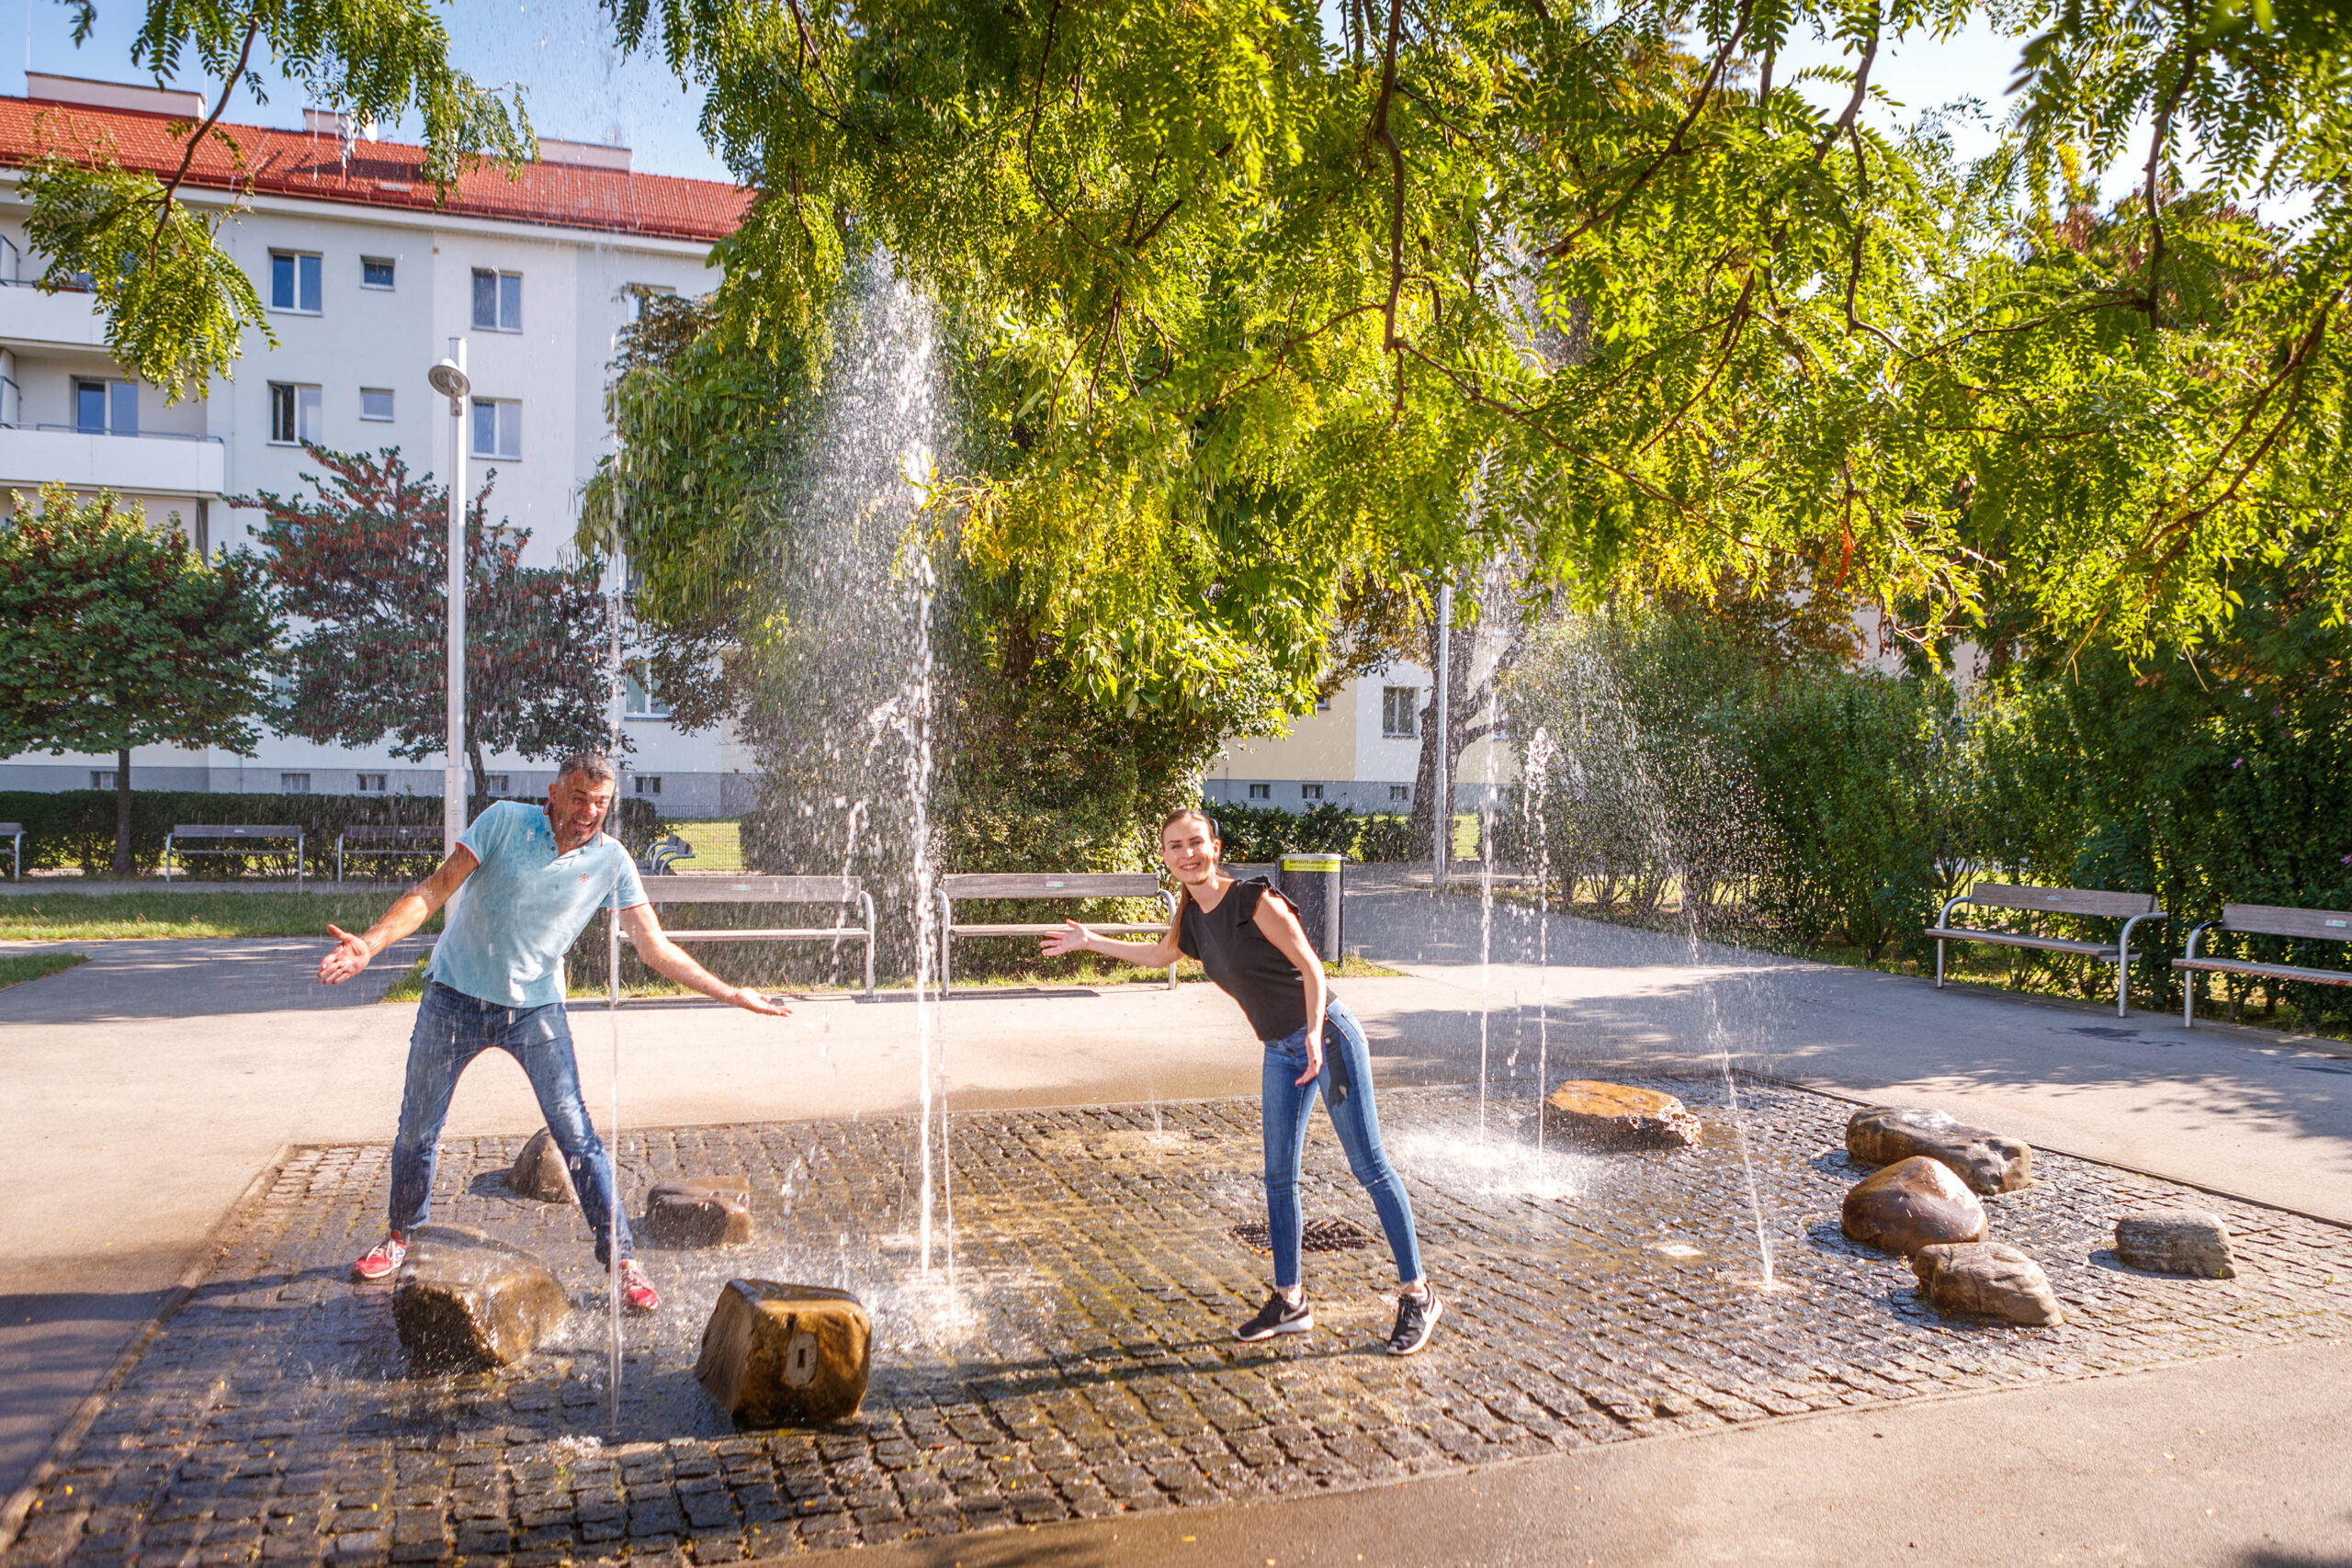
[[381, 1258], [637, 1290]]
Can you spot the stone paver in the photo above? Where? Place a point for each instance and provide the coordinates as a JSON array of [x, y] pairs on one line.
[[1081, 1362]]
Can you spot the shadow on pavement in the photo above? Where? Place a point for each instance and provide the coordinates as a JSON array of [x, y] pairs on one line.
[[201, 977]]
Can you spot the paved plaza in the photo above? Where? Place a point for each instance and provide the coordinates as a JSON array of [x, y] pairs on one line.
[[1081, 1363]]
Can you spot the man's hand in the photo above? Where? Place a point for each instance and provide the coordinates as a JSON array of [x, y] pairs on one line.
[[1314, 1059], [348, 957], [1072, 938], [750, 1001]]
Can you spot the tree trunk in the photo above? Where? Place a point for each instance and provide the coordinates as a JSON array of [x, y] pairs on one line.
[[1465, 711], [481, 774], [122, 812]]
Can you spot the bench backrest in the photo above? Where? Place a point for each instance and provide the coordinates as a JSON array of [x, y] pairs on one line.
[[10, 830], [235, 831], [410, 835], [2063, 900], [708, 889], [2269, 920], [1051, 884]]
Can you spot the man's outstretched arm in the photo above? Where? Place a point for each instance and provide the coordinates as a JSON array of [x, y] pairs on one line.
[[352, 953], [666, 958]]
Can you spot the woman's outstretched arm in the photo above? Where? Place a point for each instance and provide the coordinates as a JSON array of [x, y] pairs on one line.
[[1075, 938]]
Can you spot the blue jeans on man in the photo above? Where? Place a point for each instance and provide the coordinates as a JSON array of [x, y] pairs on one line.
[[452, 1029], [1345, 1085]]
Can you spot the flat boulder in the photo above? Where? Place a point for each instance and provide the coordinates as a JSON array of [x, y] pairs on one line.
[[774, 1354], [714, 1211], [1618, 1116], [2176, 1241], [466, 1300], [1884, 1135], [1987, 1279], [1913, 1203], [539, 1171]]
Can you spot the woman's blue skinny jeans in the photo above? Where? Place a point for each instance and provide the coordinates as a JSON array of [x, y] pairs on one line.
[[1347, 1061]]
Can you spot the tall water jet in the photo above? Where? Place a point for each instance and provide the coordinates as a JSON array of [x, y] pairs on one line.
[[1536, 771]]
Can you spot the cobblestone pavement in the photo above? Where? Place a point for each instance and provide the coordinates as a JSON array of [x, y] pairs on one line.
[[1082, 1362]]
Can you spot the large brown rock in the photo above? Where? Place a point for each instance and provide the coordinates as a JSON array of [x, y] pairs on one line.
[[1913, 1203], [1988, 1162], [2176, 1241], [1617, 1116], [468, 1299], [1989, 1278], [776, 1353], [539, 1171], [713, 1211]]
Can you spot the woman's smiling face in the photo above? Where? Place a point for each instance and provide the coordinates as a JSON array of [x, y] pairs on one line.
[[1188, 848]]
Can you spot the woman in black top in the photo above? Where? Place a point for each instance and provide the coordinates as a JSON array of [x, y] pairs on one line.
[[1249, 939]]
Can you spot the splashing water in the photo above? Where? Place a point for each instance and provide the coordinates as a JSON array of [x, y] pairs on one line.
[[1536, 768]]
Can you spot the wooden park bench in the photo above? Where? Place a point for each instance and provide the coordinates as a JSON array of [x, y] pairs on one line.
[[837, 891], [1032, 886], [2262, 920], [240, 833], [396, 842], [2095, 904], [15, 833]]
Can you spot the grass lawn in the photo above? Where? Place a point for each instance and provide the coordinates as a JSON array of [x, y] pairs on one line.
[[718, 846], [84, 917], [19, 968]]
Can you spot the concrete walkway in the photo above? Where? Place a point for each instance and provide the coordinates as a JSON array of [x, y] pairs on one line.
[[149, 1085]]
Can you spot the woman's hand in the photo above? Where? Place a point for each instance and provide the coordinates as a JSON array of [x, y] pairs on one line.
[[1072, 938], [1314, 1058]]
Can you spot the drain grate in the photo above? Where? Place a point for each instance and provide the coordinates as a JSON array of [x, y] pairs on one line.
[[1315, 1236]]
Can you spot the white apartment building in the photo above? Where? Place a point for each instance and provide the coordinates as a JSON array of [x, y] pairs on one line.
[[1360, 749], [366, 275]]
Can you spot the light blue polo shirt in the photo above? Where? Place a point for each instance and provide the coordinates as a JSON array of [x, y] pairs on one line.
[[522, 906]]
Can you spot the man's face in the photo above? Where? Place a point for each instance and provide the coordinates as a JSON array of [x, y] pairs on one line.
[[576, 805]]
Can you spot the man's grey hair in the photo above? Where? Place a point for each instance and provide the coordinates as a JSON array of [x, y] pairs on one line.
[[594, 766]]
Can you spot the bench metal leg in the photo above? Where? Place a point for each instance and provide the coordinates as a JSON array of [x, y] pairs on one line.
[[1940, 963], [2188, 998]]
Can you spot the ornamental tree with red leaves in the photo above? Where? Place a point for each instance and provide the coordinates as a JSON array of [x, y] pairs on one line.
[[361, 567]]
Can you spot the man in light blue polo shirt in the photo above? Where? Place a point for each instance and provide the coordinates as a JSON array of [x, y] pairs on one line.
[[519, 888]]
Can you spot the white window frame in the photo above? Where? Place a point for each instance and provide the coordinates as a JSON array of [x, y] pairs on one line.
[[383, 392], [374, 783], [506, 430], [307, 403], [648, 783], [501, 321], [1412, 711], [1400, 793], [389, 262], [1261, 792], [639, 293], [293, 784], [105, 778], [500, 783], [1310, 792], [317, 276]]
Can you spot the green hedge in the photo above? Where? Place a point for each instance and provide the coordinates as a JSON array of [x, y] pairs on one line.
[[1258, 833], [74, 828]]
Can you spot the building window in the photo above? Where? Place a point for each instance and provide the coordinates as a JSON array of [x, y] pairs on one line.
[[1322, 705], [638, 699], [636, 294], [1261, 792], [374, 272], [500, 783], [1310, 792], [294, 283], [372, 784], [1400, 791], [103, 406], [376, 404], [293, 784], [105, 778], [498, 428], [293, 413], [497, 302], [648, 783], [1400, 712]]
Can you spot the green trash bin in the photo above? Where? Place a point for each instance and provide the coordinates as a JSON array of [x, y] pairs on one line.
[[1312, 882]]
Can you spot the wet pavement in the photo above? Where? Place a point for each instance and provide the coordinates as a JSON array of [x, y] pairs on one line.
[[1081, 1362]]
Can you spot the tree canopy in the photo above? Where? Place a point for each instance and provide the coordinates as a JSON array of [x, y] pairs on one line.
[[1253, 318]]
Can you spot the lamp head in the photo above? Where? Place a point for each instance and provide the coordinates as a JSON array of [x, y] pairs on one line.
[[449, 381]]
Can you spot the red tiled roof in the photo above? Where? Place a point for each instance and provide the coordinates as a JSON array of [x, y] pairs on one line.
[[378, 174]]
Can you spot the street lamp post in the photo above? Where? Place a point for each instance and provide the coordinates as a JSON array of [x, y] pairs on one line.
[[450, 381]]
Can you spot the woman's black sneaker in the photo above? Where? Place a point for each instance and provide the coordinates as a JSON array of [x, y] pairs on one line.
[[1278, 1316], [1416, 1315]]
